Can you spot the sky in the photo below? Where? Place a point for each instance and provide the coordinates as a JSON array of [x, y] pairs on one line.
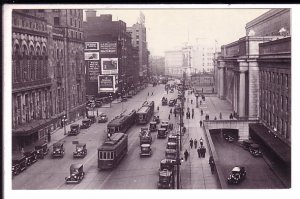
[[171, 28]]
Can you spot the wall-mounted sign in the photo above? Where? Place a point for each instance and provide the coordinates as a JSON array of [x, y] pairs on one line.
[[107, 83], [91, 46], [109, 66], [108, 48], [93, 70], [91, 56]]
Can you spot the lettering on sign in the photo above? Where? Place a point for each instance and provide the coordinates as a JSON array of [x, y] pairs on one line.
[[108, 48], [91, 46]]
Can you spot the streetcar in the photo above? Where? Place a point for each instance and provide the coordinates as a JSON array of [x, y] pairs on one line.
[[111, 152], [145, 112], [121, 123]]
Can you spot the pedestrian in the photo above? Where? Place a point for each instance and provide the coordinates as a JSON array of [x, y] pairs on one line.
[[195, 143], [204, 151], [152, 94], [97, 113], [200, 102], [231, 116], [192, 115], [170, 111], [157, 108], [215, 117], [201, 142], [186, 114], [201, 112], [200, 123], [191, 101], [211, 164], [22, 150], [220, 115], [175, 114], [169, 116], [198, 151], [192, 110], [49, 137], [186, 155], [191, 143], [148, 93]]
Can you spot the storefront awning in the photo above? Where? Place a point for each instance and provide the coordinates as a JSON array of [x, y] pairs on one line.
[[30, 128], [281, 149]]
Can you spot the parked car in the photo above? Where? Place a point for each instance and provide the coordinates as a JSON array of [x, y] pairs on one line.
[[166, 180], [76, 174], [246, 144], [86, 123], [18, 164], [74, 129], [92, 118], [237, 175], [41, 149], [168, 164], [164, 101], [102, 118], [254, 149], [162, 133], [172, 102], [58, 150], [171, 154], [156, 119], [172, 138], [80, 151], [31, 157], [146, 150]]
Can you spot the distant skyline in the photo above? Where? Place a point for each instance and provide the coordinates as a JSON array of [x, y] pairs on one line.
[[171, 28]]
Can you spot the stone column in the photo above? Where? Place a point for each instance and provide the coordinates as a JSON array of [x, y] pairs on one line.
[[243, 67], [253, 89], [221, 80]]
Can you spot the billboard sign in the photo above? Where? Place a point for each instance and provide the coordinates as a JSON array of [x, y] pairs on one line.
[[106, 83], [91, 56], [109, 66], [91, 46], [108, 48], [93, 70]]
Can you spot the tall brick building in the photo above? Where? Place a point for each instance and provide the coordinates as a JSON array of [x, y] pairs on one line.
[[48, 76]]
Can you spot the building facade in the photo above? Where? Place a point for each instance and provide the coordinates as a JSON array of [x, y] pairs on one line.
[[42, 75], [174, 63], [157, 65], [113, 50]]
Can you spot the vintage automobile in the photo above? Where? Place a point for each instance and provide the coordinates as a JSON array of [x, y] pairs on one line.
[[146, 150], [58, 150], [76, 174], [171, 145], [254, 149], [153, 127], [123, 99], [98, 103], [246, 144], [166, 179], [18, 164], [168, 164], [145, 136], [103, 118], [80, 151], [31, 157], [228, 138], [172, 102], [74, 129], [162, 133], [164, 101], [92, 118], [172, 138], [86, 123], [237, 174], [168, 126], [41, 149], [171, 154], [156, 119]]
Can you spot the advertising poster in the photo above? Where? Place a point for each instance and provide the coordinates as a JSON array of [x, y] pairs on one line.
[[108, 48], [93, 70], [91, 46], [91, 56], [109, 66], [106, 83]]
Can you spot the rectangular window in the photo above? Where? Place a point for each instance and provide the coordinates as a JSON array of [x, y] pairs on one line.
[[108, 155], [56, 21], [287, 80], [104, 155], [281, 102], [282, 80]]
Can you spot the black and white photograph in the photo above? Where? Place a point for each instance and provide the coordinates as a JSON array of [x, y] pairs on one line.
[[148, 97]]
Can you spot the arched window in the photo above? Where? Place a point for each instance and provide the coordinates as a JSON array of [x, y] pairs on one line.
[[39, 60], [32, 63], [16, 63], [25, 64], [45, 63]]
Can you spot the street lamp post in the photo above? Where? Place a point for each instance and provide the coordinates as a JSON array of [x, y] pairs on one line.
[[64, 123]]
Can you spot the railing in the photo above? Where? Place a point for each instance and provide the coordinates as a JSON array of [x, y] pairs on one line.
[[275, 47], [31, 83]]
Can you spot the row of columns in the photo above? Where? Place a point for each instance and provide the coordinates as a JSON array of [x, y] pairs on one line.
[[243, 91]]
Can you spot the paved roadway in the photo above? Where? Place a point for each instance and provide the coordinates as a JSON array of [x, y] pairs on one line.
[[132, 173]]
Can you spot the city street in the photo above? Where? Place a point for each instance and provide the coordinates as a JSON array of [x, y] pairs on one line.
[[133, 171]]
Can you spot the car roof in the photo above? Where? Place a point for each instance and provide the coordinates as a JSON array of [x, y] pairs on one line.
[[171, 150], [171, 143], [162, 129], [74, 125], [81, 144], [237, 169], [145, 145], [76, 166], [58, 144], [167, 160], [152, 122], [85, 120]]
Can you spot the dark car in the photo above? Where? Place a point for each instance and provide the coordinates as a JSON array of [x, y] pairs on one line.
[[172, 138], [98, 103], [171, 145], [172, 102], [171, 154], [41, 149], [168, 164], [164, 101], [237, 175], [153, 126], [58, 150], [76, 174], [166, 179], [146, 150], [156, 119], [92, 118], [102, 118], [162, 133], [229, 138], [254, 149], [18, 164], [246, 144], [74, 129], [80, 151], [123, 99], [31, 157], [86, 123]]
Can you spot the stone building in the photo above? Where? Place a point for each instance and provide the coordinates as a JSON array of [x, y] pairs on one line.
[[47, 50]]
